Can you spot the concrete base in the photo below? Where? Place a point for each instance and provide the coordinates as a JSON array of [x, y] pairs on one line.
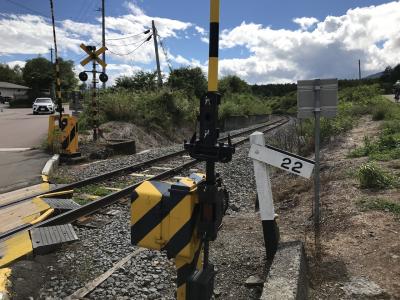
[[287, 278], [124, 147], [51, 166]]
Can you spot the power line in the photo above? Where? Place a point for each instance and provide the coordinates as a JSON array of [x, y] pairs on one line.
[[124, 54], [28, 8], [165, 54], [124, 45], [83, 10], [128, 37]]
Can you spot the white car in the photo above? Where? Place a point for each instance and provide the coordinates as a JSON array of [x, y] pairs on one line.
[[43, 105]]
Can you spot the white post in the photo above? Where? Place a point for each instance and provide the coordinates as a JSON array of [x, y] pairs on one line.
[[265, 200], [263, 181]]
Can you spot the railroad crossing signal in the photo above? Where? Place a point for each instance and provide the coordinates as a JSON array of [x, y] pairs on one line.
[[93, 54]]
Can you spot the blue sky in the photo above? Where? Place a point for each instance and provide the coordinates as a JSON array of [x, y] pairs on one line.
[[261, 41]]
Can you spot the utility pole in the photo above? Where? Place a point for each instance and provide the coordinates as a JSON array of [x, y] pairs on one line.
[[103, 33], [359, 69], [157, 56]]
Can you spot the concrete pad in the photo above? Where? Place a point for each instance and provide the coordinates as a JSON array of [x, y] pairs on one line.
[[287, 278]]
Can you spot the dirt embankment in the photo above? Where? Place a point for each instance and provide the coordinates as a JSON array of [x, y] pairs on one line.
[[357, 255]]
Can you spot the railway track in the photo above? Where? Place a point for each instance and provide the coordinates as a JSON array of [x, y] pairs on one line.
[[121, 182]]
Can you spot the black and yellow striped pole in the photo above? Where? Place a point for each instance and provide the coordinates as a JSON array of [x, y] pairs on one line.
[[57, 70], [182, 218], [214, 46]]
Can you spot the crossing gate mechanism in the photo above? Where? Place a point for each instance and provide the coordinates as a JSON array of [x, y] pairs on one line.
[[166, 217], [67, 137]]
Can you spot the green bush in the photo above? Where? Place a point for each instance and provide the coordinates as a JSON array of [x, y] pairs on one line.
[[160, 110], [379, 114], [372, 177], [368, 148], [242, 104]]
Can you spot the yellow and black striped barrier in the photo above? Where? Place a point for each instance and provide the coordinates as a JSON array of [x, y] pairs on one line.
[[164, 217], [67, 137]]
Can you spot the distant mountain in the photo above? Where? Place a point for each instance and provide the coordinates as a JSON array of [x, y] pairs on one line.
[[374, 76]]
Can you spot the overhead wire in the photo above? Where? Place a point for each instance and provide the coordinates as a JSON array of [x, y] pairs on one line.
[[83, 11], [168, 60], [128, 37], [124, 45], [28, 8], [130, 52], [89, 8]]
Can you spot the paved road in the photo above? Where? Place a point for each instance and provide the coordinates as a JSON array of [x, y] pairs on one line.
[[21, 130]]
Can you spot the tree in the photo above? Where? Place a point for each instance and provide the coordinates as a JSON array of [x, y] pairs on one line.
[[68, 79], [39, 74], [190, 80], [233, 84], [12, 75], [141, 81]]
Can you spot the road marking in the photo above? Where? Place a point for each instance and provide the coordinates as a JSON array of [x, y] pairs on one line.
[[14, 149]]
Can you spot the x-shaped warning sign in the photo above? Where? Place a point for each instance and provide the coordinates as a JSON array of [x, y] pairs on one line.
[[93, 55]]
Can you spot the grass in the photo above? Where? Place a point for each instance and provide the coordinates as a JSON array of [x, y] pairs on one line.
[[371, 176], [380, 204], [93, 190], [354, 102], [385, 148], [59, 179]]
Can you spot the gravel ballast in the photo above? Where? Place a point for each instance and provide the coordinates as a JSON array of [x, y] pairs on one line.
[[238, 253]]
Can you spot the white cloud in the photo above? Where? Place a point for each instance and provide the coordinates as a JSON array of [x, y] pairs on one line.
[[305, 23], [32, 35], [29, 34], [331, 49], [325, 48], [179, 59], [200, 30], [14, 63], [134, 8]]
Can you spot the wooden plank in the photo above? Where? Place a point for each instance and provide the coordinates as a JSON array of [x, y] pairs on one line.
[[16, 195], [88, 288]]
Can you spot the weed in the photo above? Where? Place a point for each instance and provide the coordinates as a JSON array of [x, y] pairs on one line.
[[368, 148], [379, 113], [379, 204], [81, 201], [372, 177], [60, 179], [94, 190]]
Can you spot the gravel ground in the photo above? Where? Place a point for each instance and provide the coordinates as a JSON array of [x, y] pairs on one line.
[[238, 252]]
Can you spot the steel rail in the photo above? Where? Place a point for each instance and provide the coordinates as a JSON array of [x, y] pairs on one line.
[[131, 168], [98, 204]]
